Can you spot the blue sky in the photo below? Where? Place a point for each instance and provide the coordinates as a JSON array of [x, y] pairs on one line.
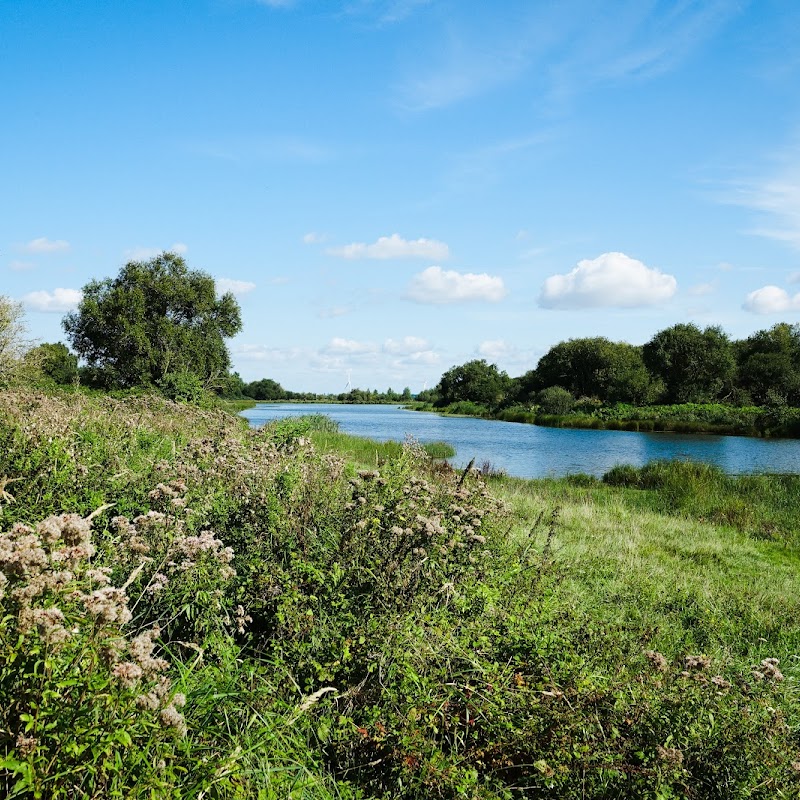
[[392, 187]]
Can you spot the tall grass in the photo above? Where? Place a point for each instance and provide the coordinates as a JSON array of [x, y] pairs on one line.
[[192, 609]]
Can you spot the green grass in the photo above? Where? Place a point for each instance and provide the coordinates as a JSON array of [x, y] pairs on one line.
[[393, 629]]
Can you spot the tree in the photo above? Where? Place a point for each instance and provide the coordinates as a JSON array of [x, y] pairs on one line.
[[14, 345], [56, 362], [476, 381], [154, 319], [594, 367], [265, 389], [769, 364], [696, 366]]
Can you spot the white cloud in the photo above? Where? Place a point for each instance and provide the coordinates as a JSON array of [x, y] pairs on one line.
[[612, 280], [237, 288], [495, 349], [146, 253], [408, 345], [57, 301], [20, 266], [394, 246], [701, 289], [771, 300], [437, 286], [339, 346], [314, 238], [262, 352], [45, 245], [794, 278], [335, 311]]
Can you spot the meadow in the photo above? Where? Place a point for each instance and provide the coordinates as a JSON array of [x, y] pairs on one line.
[[194, 609]]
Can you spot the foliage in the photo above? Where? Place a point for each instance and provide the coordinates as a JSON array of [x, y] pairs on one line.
[[56, 362], [476, 381], [155, 318], [14, 345], [769, 364], [402, 631], [696, 366], [555, 400], [596, 367]]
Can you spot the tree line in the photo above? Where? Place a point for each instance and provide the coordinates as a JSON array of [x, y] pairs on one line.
[[680, 364]]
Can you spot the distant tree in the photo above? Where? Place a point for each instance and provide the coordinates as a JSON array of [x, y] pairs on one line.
[[592, 367], [555, 400], [56, 362], [406, 396], [265, 389], [15, 367], [769, 364], [696, 366], [155, 318], [476, 381]]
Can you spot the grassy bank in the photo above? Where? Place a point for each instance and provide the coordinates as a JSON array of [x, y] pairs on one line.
[[715, 418], [191, 608]]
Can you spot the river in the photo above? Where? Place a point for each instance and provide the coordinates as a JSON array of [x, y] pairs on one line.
[[530, 451]]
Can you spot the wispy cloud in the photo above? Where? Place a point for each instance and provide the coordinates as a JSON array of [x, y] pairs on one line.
[[314, 238], [57, 301], [774, 199], [562, 49], [394, 246], [612, 280], [21, 266], [440, 287], [45, 245]]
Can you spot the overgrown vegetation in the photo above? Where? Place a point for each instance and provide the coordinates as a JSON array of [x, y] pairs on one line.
[[190, 608]]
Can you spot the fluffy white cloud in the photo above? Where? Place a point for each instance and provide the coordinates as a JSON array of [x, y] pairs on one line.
[[237, 288], [45, 245], [57, 301], [406, 346], [437, 286], [339, 346], [612, 280], [146, 253], [394, 246], [771, 300]]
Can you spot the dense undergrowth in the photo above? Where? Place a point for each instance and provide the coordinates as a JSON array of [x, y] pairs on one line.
[[717, 418], [194, 609]]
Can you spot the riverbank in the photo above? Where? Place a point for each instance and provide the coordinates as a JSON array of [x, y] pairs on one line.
[[711, 418], [283, 613]]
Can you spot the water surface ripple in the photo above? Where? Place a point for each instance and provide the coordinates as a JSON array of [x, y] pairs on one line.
[[530, 451]]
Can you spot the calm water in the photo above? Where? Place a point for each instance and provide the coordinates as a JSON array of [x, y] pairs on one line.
[[528, 451]]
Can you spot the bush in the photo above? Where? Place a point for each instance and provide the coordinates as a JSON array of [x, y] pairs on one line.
[[555, 400]]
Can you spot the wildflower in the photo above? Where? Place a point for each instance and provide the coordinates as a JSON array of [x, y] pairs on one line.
[[172, 718], [26, 744], [109, 605], [127, 673], [670, 755]]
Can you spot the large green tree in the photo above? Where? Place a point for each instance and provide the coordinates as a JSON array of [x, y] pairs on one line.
[[594, 367], [155, 319], [696, 366], [477, 381], [769, 364]]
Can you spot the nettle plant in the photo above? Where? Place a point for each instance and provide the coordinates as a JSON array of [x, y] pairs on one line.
[[91, 706]]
